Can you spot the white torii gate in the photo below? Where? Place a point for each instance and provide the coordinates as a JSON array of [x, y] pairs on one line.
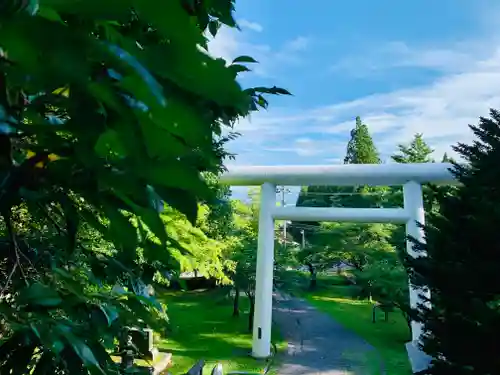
[[411, 176]]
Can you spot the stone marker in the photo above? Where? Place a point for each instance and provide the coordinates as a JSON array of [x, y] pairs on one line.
[[142, 338]]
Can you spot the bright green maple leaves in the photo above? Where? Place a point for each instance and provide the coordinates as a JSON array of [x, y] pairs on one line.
[[126, 96]]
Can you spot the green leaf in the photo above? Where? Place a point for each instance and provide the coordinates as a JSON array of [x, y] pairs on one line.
[[111, 9], [110, 312], [156, 253], [223, 10], [105, 95], [39, 294], [244, 59], [280, 91], [121, 230], [49, 14], [21, 48], [149, 301], [198, 73], [236, 68], [213, 27], [269, 90], [126, 186], [149, 216], [261, 101], [109, 145], [171, 21], [175, 174], [159, 140], [178, 125], [182, 200], [142, 91], [153, 221], [83, 351]]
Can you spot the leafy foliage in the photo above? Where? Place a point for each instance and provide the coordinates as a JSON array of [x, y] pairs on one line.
[[461, 268], [106, 109], [242, 251]]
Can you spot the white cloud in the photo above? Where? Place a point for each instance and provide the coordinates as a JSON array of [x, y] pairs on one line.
[[468, 85], [381, 58], [440, 110], [394, 55], [230, 43], [306, 147], [298, 44], [254, 26], [441, 59], [225, 44]]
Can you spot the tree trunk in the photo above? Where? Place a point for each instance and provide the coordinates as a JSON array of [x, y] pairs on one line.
[[236, 302], [405, 314], [195, 273], [252, 312], [312, 280], [408, 319]]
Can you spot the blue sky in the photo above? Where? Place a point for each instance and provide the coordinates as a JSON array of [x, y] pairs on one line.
[[428, 66]]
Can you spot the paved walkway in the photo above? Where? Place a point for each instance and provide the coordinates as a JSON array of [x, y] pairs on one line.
[[317, 344]]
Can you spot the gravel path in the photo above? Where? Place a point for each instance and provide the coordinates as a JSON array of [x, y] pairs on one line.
[[317, 344]]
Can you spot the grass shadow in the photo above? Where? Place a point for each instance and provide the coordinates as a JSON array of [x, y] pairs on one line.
[[202, 327]]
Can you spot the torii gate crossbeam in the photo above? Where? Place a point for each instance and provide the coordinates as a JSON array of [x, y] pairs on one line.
[[410, 176]]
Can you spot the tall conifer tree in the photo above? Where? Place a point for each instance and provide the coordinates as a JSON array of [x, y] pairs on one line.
[[463, 262], [361, 148], [418, 151]]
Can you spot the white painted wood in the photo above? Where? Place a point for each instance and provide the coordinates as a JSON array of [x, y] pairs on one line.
[[411, 176], [339, 175], [414, 205], [261, 344], [353, 215]]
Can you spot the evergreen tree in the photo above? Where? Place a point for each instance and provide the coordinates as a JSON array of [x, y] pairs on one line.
[[447, 159], [361, 148], [461, 269], [418, 151]]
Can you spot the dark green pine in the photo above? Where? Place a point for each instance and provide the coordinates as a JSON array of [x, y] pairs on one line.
[[463, 264]]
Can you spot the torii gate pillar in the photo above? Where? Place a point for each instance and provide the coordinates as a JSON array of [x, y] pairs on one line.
[[261, 345]]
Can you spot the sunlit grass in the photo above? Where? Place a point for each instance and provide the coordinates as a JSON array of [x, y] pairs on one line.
[[202, 327]]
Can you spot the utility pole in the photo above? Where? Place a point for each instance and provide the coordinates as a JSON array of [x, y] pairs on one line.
[[283, 191], [303, 239]]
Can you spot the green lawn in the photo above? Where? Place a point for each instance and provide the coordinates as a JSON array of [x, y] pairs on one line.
[[203, 328], [356, 315]]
